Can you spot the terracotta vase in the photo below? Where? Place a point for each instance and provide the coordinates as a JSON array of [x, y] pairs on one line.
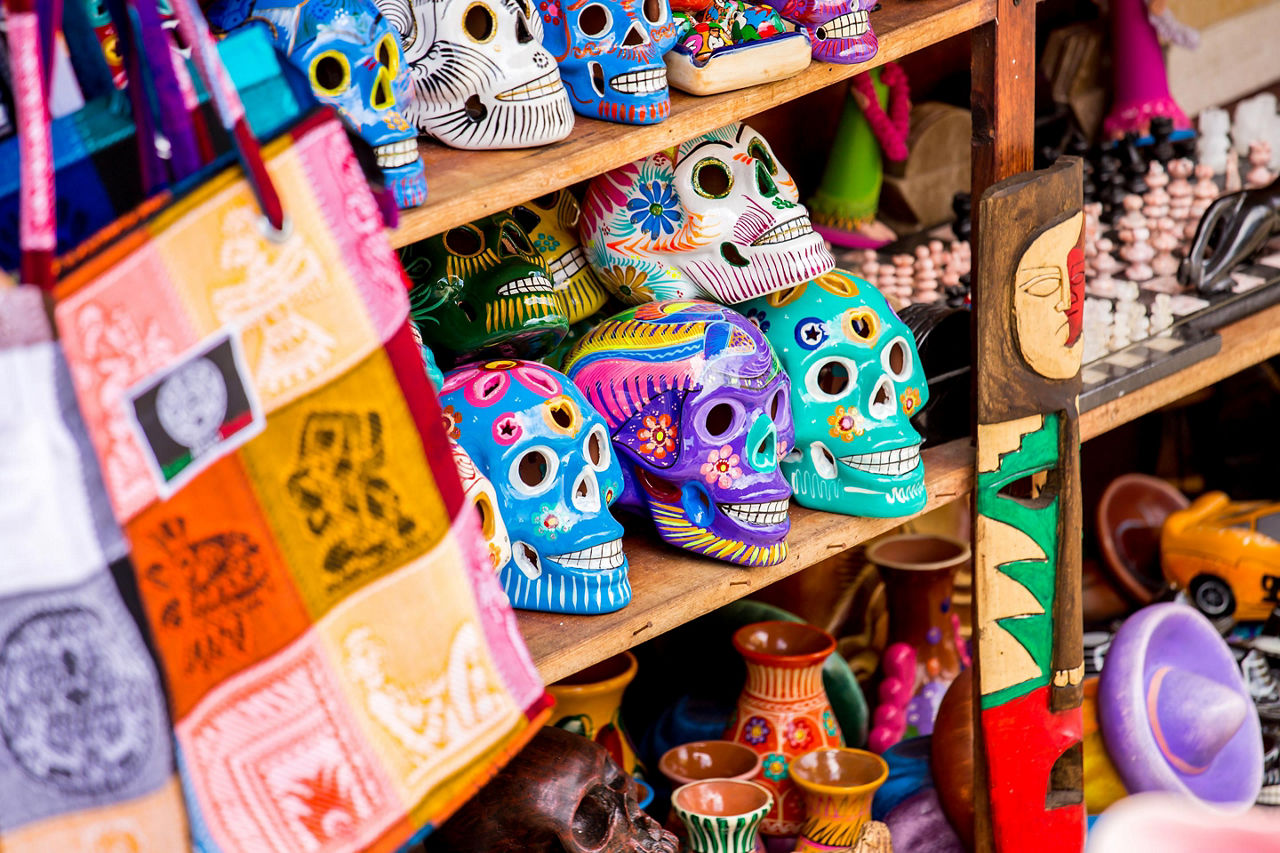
[[721, 815], [838, 786], [783, 711], [588, 703]]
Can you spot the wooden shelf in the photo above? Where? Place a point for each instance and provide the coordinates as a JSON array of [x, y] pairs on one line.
[[670, 586], [464, 185]]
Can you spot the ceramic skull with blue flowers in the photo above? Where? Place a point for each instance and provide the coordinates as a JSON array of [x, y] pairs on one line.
[[355, 63], [547, 453], [716, 217], [698, 409], [856, 382]]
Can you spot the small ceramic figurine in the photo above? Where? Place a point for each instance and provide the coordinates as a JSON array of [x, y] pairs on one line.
[[482, 288], [551, 221], [731, 44], [610, 55], [856, 382], [715, 217], [698, 406], [547, 453], [560, 794], [1140, 80], [354, 62], [1214, 144], [838, 784], [840, 30], [481, 76]]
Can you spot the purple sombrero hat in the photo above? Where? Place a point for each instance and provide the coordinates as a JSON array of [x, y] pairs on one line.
[[1174, 710]]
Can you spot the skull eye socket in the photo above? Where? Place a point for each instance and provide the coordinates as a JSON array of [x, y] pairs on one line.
[[831, 378], [479, 23], [465, 240], [387, 54], [595, 21], [596, 448], [759, 151], [514, 240], [330, 73], [547, 202], [719, 420], [591, 820], [897, 360], [654, 10], [712, 178], [527, 218], [534, 471]]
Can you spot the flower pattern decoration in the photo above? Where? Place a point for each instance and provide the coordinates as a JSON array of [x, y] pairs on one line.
[[721, 467], [546, 243], [628, 283], [801, 735], [910, 401], [657, 212], [550, 11], [549, 522], [775, 766], [758, 318], [452, 418], [757, 731], [846, 423], [829, 723], [658, 435]]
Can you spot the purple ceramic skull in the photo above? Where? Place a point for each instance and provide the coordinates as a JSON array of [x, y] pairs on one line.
[[699, 411], [839, 29]]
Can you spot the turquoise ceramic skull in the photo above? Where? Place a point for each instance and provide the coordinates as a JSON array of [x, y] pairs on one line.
[[856, 380]]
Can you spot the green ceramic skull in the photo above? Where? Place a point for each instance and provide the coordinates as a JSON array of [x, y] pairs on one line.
[[856, 380], [482, 290]]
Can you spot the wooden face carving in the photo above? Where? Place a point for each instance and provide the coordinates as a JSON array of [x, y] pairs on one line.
[[1048, 300]]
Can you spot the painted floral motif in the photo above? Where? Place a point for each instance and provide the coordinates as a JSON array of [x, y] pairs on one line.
[[757, 730], [846, 423], [550, 11], [452, 417], [758, 318], [658, 435], [829, 723], [801, 735], [775, 766], [546, 243], [628, 283], [910, 400], [657, 212], [507, 430], [495, 555], [722, 467], [549, 523]]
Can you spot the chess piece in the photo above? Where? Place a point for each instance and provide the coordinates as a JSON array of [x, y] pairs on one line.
[[1161, 313], [1232, 178], [1164, 243], [1255, 120], [1214, 144], [1162, 139], [1156, 200], [1259, 156]]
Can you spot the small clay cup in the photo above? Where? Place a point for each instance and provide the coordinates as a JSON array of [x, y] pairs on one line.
[[722, 815], [838, 784], [709, 759]]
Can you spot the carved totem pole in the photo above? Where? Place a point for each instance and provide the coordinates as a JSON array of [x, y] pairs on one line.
[[1030, 269]]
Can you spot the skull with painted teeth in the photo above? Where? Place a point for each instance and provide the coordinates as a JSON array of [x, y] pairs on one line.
[[698, 409], [717, 217], [481, 77], [857, 382], [482, 289], [610, 55], [547, 453], [552, 223], [840, 30]]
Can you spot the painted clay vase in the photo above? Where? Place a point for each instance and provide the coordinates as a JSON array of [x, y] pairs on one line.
[[918, 572], [706, 759], [783, 710], [838, 786], [589, 702], [721, 815]]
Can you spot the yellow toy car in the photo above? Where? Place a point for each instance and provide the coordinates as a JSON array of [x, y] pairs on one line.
[[1226, 555]]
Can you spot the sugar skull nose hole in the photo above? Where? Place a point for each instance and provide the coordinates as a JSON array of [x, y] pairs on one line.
[[634, 37], [523, 36], [882, 396], [562, 417], [712, 178], [597, 78], [653, 11], [730, 253], [475, 109], [823, 461], [467, 311], [479, 22], [765, 181], [464, 240], [381, 97], [586, 492], [719, 420], [594, 20], [883, 402], [697, 504], [763, 437]]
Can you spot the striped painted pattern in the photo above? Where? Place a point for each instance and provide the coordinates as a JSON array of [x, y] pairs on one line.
[[708, 834], [833, 822], [567, 592], [503, 313], [675, 527], [780, 683], [769, 268]]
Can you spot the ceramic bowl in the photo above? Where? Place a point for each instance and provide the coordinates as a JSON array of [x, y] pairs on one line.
[[1130, 514], [709, 759], [722, 815], [840, 769]]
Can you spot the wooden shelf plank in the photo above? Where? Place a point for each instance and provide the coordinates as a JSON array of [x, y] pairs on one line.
[[670, 586], [1245, 343], [464, 185]]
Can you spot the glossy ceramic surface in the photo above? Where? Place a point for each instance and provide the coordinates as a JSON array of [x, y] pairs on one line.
[[547, 453], [709, 759], [839, 29], [856, 382], [716, 217], [697, 408], [589, 703], [551, 221], [838, 785], [721, 815]]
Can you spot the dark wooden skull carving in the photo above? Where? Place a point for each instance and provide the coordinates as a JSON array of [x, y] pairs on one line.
[[560, 794]]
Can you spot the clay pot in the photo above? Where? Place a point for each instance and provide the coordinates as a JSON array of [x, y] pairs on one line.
[[1130, 514], [783, 710], [709, 759], [722, 815], [951, 756], [838, 786]]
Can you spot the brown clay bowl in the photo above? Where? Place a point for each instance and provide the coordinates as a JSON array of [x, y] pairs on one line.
[[727, 798], [1130, 514], [709, 759]]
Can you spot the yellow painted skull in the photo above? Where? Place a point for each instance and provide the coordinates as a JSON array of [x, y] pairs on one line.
[[551, 221]]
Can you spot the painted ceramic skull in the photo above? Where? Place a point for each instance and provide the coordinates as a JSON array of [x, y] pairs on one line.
[[481, 76], [551, 221], [840, 30], [562, 793], [354, 62], [717, 217], [857, 380], [479, 492], [481, 288], [698, 408], [547, 453], [610, 54]]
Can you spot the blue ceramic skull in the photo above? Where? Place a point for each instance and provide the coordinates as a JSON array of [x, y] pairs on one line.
[[610, 56], [547, 454], [856, 382], [698, 406], [355, 63]]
